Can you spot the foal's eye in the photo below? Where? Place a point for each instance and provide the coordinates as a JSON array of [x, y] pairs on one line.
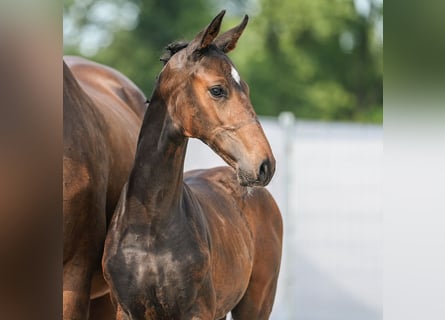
[[217, 91]]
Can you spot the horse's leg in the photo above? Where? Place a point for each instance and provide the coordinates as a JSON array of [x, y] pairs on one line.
[[84, 234], [76, 289], [102, 308], [258, 300], [120, 314], [204, 306]]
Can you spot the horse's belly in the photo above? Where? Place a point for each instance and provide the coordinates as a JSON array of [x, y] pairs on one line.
[[99, 287]]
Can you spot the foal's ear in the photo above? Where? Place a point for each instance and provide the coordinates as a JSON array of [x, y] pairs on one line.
[[227, 41], [206, 37]]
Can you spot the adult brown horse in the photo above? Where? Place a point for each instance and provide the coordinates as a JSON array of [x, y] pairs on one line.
[[102, 115], [199, 245]]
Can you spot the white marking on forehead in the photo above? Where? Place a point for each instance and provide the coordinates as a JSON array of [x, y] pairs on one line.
[[235, 75]]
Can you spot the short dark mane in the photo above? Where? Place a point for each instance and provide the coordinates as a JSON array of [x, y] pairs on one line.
[[171, 49]]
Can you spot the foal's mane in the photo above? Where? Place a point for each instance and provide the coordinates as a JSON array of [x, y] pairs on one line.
[[171, 49]]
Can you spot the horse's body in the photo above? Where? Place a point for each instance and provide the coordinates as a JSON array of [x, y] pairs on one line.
[[102, 114], [199, 245]]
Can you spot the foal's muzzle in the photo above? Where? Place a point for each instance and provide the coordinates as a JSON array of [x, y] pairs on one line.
[[261, 177]]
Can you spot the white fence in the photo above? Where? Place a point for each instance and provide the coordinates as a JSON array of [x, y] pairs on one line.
[[328, 186]]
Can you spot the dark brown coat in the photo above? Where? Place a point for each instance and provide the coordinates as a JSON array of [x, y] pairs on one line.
[[199, 245]]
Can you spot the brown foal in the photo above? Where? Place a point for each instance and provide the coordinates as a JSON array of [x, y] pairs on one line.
[[208, 242]]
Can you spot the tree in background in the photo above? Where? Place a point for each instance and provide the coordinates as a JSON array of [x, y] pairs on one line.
[[135, 47], [319, 59]]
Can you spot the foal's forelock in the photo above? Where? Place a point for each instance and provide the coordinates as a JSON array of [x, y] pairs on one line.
[[177, 46], [171, 49]]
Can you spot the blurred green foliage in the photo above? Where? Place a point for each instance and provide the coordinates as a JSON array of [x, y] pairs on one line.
[[319, 59]]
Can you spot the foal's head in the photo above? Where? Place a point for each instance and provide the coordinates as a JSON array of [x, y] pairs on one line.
[[207, 99]]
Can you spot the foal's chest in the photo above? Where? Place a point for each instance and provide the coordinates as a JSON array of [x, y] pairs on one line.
[[167, 272]]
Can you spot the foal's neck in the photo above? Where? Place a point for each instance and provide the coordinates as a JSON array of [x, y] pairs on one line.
[[156, 180]]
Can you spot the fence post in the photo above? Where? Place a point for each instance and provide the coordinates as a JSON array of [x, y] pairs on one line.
[[286, 120], [287, 123]]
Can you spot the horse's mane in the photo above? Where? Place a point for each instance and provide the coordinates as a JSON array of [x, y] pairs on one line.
[[171, 49]]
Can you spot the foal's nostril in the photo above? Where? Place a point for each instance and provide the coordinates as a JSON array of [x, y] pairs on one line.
[[264, 172]]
